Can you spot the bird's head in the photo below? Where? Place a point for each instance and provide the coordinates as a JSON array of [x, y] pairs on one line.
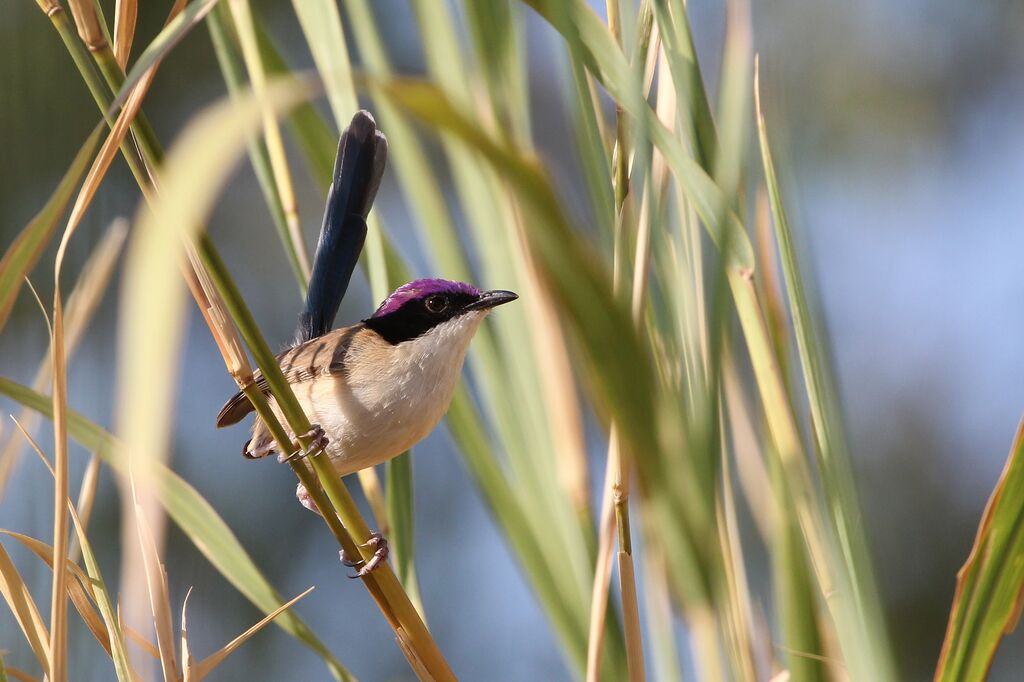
[[434, 307]]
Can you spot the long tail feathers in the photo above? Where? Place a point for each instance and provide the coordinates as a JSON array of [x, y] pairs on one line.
[[362, 154]]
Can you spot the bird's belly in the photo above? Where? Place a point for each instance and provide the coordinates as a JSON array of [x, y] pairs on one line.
[[366, 428]]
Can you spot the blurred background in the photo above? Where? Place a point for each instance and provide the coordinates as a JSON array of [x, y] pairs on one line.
[[899, 127]]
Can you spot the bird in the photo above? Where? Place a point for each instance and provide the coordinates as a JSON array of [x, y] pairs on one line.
[[373, 389]]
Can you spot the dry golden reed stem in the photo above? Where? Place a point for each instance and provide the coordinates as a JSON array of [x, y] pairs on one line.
[[126, 13], [88, 24]]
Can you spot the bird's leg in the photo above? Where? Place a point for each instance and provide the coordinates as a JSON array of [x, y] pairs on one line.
[[380, 555], [318, 442]]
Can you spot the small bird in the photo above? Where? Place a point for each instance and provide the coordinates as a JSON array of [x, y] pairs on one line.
[[378, 387]]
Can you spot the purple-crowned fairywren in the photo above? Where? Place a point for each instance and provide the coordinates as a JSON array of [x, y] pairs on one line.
[[378, 387]]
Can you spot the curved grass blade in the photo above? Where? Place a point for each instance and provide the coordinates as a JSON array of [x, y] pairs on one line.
[[126, 13], [23, 253], [23, 607], [78, 589], [206, 666], [990, 586], [115, 636], [826, 422]]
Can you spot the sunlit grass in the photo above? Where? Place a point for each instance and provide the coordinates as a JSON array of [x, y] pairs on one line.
[[661, 319]]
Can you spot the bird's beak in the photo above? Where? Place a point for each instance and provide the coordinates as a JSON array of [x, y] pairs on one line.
[[490, 299]]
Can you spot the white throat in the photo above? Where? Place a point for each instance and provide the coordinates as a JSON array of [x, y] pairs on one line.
[[396, 394]]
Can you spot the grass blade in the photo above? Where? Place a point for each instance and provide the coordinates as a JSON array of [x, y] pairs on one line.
[[187, 663], [23, 607], [159, 597], [826, 422], [126, 13], [76, 588], [990, 586], [568, 264], [400, 515], [23, 253], [119, 647], [206, 666], [321, 25]]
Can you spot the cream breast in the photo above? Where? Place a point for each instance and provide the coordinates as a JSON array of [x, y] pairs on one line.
[[388, 397]]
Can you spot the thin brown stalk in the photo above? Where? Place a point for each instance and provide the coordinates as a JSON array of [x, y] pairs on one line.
[[555, 372], [58, 595], [750, 461], [185, 651], [739, 621], [24, 610], [58, 611], [631, 614], [125, 15], [602, 567], [374, 493], [80, 588], [20, 675], [618, 457], [159, 599], [139, 640], [86, 498]]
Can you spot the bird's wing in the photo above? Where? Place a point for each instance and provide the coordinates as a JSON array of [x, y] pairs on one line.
[[301, 363]]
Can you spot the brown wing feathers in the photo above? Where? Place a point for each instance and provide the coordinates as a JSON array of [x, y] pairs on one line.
[[234, 410], [324, 355]]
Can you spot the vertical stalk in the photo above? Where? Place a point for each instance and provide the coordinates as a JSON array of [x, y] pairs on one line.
[[618, 478]]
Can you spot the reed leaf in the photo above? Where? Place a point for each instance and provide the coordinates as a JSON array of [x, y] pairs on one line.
[[23, 253], [126, 14], [24, 610], [990, 585], [207, 665], [826, 422]]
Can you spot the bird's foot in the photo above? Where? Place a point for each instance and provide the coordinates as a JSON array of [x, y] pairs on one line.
[[380, 555], [317, 443]]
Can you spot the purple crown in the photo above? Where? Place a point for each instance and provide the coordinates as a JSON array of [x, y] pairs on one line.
[[421, 288]]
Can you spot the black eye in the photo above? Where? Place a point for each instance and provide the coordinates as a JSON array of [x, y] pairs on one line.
[[436, 303]]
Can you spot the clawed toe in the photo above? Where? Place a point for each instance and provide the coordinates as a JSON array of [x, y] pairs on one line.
[[317, 443], [380, 555]]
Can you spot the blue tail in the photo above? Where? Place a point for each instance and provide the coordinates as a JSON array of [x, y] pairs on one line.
[[362, 154]]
